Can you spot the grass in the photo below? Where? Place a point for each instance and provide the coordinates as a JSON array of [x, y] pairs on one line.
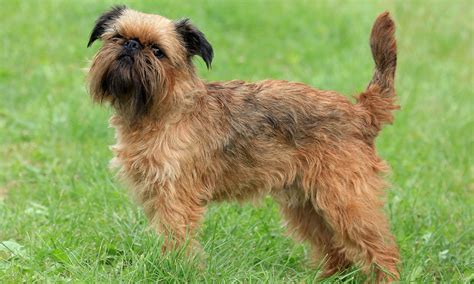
[[63, 217]]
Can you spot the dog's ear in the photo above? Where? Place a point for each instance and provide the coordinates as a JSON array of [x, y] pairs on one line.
[[104, 20], [195, 41]]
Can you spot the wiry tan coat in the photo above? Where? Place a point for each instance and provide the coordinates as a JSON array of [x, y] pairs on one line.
[[182, 142]]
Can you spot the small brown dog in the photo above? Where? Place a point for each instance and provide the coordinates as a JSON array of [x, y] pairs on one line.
[[183, 142]]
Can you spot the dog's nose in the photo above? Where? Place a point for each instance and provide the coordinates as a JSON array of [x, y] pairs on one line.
[[132, 45]]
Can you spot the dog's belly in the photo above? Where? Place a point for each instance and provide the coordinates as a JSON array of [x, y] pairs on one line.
[[291, 195], [254, 191], [244, 182], [245, 191]]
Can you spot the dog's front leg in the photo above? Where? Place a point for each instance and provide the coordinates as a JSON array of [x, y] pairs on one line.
[[176, 212]]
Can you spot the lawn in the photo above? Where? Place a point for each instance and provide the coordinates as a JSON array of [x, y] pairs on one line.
[[64, 217]]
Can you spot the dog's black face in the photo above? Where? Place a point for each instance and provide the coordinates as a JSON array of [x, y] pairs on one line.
[[142, 58], [132, 77]]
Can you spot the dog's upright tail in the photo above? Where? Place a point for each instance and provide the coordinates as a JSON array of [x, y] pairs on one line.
[[379, 97]]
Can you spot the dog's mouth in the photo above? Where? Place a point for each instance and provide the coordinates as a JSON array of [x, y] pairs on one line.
[[126, 58]]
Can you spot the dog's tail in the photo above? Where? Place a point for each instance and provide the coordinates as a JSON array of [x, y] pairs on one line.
[[379, 97]]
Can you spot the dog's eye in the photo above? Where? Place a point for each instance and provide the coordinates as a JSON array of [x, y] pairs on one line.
[[117, 37], [157, 52]]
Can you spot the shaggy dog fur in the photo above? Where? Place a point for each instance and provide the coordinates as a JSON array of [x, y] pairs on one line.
[[183, 142]]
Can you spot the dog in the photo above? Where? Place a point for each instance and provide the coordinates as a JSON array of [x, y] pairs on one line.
[[183, 142]]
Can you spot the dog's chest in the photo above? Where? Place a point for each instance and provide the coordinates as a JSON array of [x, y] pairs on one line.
[[149, 156]]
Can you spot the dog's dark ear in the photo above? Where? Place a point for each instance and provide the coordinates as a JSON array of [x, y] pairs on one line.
[[104, 20], [194, 40]]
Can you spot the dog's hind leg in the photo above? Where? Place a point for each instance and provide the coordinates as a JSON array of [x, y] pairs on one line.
[[306, 224], [350, 203]]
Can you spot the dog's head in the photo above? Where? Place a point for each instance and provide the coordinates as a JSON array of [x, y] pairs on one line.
[[142, 59]]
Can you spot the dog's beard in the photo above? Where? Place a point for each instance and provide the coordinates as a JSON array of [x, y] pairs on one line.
[[129, 92]]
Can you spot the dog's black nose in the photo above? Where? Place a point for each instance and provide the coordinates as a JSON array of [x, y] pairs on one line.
[[132, 45]]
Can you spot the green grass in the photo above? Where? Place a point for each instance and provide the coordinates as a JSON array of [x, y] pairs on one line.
[[64, 217]]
